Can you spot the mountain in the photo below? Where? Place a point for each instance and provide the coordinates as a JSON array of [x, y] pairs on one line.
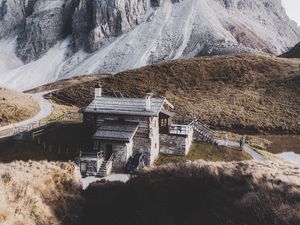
[[293, 53], [47, 40]]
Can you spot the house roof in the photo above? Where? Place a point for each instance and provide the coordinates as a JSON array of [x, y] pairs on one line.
[[168, 113], [126, 106], [116, 131]]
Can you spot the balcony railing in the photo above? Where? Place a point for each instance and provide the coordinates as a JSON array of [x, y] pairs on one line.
[[93, 155], [179, 129]]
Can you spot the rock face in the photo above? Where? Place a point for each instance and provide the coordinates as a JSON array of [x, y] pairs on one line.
[[47, 23], [12, 16], [98, 20], [116, 35], [293, 53]]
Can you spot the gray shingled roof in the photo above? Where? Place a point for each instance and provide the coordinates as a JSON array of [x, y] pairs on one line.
[[116, 131], [168, 113], [127, 106]]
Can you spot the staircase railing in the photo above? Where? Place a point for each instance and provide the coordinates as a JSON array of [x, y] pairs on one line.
[[206, 133], [96, 155], [109, 165]]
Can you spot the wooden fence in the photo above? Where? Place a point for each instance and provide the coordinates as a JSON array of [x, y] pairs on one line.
[[55, 149], [18, 131]]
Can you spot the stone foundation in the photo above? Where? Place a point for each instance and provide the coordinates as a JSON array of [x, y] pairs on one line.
[[148, 147], [175, 144], [121, 151], [142, 145]]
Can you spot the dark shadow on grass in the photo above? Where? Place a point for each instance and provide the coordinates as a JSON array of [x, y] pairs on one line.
[[60, 142], [188, 195]]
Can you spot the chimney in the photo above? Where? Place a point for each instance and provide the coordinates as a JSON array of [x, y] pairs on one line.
[[98, 90], [148, 101]]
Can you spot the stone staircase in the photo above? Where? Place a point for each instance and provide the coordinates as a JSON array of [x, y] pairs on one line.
[[102, 172], [203, 133], [105, 168]]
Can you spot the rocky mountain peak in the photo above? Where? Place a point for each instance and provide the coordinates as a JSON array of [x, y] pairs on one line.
[[116, 35]]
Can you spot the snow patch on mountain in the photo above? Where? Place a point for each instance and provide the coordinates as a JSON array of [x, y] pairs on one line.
[[44, 70], [8, 59], [46, 5]]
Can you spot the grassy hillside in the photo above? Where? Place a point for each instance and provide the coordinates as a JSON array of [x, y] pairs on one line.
[[200, 193], [47, 193], [207, 152], [38, 193], [244, 92], [15, 106]]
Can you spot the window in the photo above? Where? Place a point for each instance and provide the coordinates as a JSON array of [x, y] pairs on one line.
[[164, 122], [96, 146]]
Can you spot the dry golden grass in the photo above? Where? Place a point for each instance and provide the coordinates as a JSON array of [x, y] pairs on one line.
[[210, 193], [16, 106], [244, 92], [38, 193], [254, 141], [60, 110], [207, 152]]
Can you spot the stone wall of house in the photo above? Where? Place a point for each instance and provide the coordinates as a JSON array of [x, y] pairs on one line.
[[148, 146], [146, 140], [89, 120], [120, 157], [154, 149], [189, 141], [141, 120], [88, 167], [121, 151], [94, 120], [129, 150], [142, 145], [154, 137], [175, 144]]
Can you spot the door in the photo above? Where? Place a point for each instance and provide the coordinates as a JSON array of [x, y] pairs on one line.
[[108, 151]]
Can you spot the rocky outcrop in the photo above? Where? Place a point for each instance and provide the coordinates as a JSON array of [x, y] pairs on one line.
[[215, 27], [125, 34], [95, 21], [293, 52], [12, 16], [47, 23]]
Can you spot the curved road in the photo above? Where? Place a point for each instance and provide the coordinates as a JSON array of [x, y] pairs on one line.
[[250, 151], [45, 110]]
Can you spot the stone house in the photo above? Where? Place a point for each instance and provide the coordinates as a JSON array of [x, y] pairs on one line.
[[124, 127]]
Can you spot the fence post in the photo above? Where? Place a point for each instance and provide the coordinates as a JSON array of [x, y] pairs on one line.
[[50, 148], [67, 151], [44, 145]]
